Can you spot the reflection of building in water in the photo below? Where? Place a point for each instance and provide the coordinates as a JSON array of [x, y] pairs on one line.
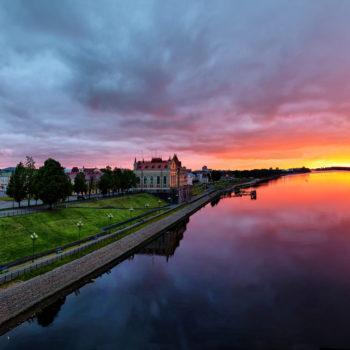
[[167, 243], [215, 201], [48, 314]]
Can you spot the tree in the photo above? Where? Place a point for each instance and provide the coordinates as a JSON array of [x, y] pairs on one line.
[[216, 175], [53, 184], [80, 185], [17, 184], [106, 181], [30, 177], [91, 184], [117, 180], [36, 187], [128, 179]]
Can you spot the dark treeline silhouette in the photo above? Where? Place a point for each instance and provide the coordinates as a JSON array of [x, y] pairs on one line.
[[342, 168], [116, 180], [256, 173]]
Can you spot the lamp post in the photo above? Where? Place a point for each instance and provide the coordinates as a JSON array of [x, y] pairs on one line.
[[159, 202], [131, 210], [33, 237], [79, 225], [110, 217]]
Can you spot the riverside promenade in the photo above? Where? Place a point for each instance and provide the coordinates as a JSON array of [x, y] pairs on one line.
[[22, 297]]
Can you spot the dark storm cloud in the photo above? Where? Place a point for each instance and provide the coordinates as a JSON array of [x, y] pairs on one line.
[[94, 81]]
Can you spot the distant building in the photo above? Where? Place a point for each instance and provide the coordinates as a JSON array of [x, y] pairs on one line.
[[191, 178], [202, 176], [93, 174], [159, 174], [5, 175]]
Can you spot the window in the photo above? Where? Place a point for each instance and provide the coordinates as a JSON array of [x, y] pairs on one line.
[[158, 180], [145, 180], [151, 181], [164, 180]]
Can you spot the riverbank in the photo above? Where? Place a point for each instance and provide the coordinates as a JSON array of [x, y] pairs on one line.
[[19, 298], [57, 228]]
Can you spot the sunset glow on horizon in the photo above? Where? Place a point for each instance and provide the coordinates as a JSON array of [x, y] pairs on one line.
[[227, 84]]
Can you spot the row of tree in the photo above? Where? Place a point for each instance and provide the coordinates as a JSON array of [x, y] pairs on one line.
[[48, 183], [51, 184], [117, 180], [111, 181]]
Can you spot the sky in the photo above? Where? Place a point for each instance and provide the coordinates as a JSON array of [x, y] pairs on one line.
[[230, 84]]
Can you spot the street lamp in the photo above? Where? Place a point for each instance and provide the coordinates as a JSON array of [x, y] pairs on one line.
[[159, 202], [79, 225], [33, 237], [131, 210], [110, 217]]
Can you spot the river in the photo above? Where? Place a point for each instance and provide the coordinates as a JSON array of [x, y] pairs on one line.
[[271, 273]]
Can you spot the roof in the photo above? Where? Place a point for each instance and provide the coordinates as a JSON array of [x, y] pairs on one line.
[[9, 169], [154, 164]]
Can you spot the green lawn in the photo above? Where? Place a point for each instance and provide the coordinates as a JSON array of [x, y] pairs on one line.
[[58, 227], [198, 189], [135, 201]]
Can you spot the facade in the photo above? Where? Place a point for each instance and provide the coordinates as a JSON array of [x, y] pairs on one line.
[[92, 175], [5, 175], [191, 178], [158, 174], [202, 176]]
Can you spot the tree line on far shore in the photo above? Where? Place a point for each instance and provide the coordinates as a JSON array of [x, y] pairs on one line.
[[51, 184]]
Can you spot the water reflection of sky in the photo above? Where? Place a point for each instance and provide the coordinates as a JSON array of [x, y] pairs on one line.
[[265, 274]]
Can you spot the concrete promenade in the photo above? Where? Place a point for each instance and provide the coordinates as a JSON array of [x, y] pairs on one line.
[[21, 297]]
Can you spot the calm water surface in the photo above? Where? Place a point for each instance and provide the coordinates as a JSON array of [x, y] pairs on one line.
[[267, 274]]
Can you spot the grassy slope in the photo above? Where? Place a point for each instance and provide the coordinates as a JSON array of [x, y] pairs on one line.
[[198, 189], [135, 201], [58, 227]]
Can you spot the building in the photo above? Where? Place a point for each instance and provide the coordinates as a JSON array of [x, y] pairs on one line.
[[191, 178], [158, 174], [92, 176], [5, 175], [202, 176]]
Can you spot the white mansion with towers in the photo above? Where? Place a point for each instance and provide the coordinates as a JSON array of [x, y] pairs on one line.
[[158, 174]]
